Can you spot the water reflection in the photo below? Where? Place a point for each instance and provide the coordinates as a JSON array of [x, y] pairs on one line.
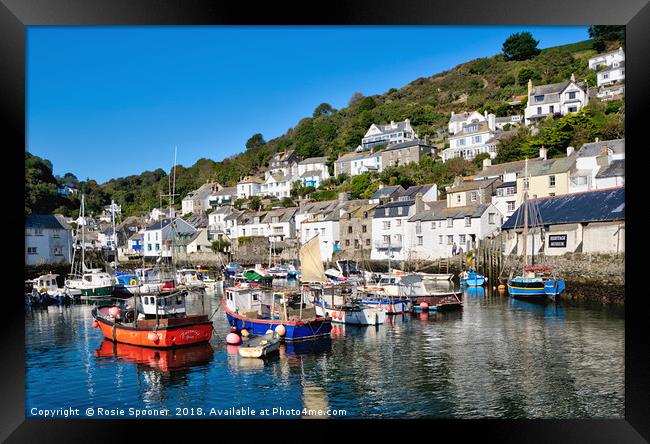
[[496, 357]]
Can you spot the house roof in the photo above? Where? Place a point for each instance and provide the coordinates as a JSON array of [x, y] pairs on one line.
[[482, 127], [415, 189], [389, 128], [621, 64], [234, 215], [507, 184], [438, 211], [158, 225], [347, 157], [505, 168], [407, 144], [250, 216], [385, 192], [589, 206], [596, 148], [136, 236], [229, 191], [311, 160], [614, 169], [459, 117], [284, 214], [311, 173], [552, 166], [603, 54], [472, 185], [251, 179], [380, 210], [49, 221], [551, 88], [317, 207]]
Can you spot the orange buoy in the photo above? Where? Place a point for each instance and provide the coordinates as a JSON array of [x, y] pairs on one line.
[[95, 324]]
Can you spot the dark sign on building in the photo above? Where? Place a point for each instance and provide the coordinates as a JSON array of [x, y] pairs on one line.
[[557, 240]]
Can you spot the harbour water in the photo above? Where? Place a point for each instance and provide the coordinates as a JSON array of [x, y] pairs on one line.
[[497, 358]]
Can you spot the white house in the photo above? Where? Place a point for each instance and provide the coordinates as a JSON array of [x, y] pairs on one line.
[[313, 171], [607, 59], [281, 223], [389, 229], [199, 242], [251, 223], [612, 74], [322, 218], [225, 196], [217, 218], [278, 185], [249, 186], [358, 162], [473, 138], [513, 121], [284, 163], [395, 132], [160, 213], [556, 98], [232, 223], [433, 231], [158, 236], [199, 200], [48, 239], [599, 164], [458, 120]]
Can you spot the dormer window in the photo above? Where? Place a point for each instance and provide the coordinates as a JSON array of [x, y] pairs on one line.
[[386, 211], [539, 98], [572, 95]]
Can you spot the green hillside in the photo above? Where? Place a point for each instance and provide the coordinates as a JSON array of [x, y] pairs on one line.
[[483, 84]]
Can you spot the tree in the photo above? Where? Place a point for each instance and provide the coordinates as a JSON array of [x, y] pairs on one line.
[[359, 184], [324, 109], [286, 202], [255, 141], [254, 203], [603, 34], [355, 98], [478, 160], [526, 74], [520, 46]]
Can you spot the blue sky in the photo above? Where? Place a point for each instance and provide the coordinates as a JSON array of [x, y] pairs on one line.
[[107, 102]]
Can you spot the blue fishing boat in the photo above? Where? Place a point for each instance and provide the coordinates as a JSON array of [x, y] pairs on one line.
[[232, 269], [536, 282], [472, 278]]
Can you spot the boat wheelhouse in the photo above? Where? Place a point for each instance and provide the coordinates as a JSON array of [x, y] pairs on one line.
[[92, 283], [189, 278]]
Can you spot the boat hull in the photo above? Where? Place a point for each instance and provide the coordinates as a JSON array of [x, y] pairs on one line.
[[295, 330], [259, 349], [97, 291], [542, 289], [187, 333], [446, 302], [367, 316], [390, 307]]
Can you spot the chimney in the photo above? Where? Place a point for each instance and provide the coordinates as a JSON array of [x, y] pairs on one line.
[[407, 122], [542, 153], [419, 203], [569, 150], [452, 114], [487, 163], [596, 139], [485, 114], [381, 185], [530, 86], [573, 77], [392, 123], [343, 196], [492, 122]]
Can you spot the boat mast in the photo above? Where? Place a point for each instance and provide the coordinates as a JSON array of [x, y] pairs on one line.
[[525, 213], [114, 234], [83, 231]]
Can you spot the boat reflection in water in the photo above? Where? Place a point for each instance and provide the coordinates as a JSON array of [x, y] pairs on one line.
[[476, 291], [548, 308], [165, 360]]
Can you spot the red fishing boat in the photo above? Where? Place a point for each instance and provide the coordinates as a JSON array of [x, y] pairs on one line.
[[158, 321], [164, 360]]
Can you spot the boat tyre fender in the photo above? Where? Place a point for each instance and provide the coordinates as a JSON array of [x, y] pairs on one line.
[[133, 282]]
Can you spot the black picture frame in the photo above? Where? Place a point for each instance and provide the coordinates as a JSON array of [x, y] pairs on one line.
[[15, 15]]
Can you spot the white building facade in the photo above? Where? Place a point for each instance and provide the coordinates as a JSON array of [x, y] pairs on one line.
[[394, 132], [557, 98], [48, 240]]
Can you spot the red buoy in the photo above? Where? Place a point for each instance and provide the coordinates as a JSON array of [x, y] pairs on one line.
[[153, 337], [95, 324]]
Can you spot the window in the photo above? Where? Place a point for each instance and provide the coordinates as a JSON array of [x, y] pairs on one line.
[[539, 110], [31, 250], [398, 223], [148, 247], [476, 139], [551, 194], [450, 222], [349, 230], [367, 241], [551, 181], [255, 232], [364, 228], [460, 142], [440, 239], [398, 237], [157, 247], [472, 196], [500, 192], [420, 240], [605, 76], [356, 243], [572, 95], [511, 205], [56, 234], [450, 239], [510, 191], [307, 233], [573, 109], [551, 109], [457, 198], [386, 211], [278, 230], [468, 221], [386, 224], [539, 98], [58, 251], [433, 225], [38, 231], [491, 218], [418, 227], [347, 242], [365, 215], [386, 239]]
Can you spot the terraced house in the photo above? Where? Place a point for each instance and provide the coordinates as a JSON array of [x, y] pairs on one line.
[[406, 152], [473, 135], [355, 227]]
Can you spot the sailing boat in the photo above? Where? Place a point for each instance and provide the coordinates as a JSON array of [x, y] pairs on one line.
[[534, 282], [92, 282], [254, 307]]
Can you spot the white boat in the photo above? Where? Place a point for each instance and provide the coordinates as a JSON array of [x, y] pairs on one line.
[[46, 283], [355, 314], [260, 346], [435, 276], [189, 278]]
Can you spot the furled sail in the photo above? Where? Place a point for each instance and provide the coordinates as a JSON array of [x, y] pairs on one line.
[[311, 264]]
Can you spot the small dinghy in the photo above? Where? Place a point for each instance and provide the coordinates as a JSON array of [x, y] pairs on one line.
[[260, 346]]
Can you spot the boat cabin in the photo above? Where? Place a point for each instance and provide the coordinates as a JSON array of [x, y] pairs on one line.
[[188, 276], [248, 300], [47, 282], [166, 306]]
